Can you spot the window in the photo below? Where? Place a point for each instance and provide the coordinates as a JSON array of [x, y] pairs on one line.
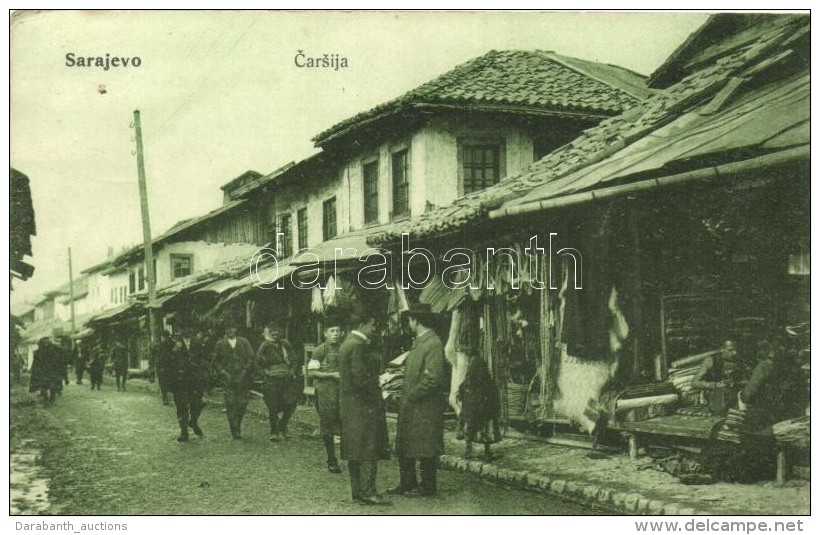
[[370, 180], [481, 166], [285, 236], [329, 219], [132, 282], [401, 183], [141, 279], [302, 222], [182, 265]]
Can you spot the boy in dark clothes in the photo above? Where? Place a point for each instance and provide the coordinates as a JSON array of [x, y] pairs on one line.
[[480, 408]]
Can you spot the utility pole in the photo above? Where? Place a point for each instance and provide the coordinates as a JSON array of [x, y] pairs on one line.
[[150, 276], [71, 294]]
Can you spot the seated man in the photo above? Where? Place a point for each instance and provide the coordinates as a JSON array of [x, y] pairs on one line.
[[764, 397], [712, 379]]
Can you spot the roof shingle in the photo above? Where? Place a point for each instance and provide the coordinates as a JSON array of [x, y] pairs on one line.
[[536, 79]]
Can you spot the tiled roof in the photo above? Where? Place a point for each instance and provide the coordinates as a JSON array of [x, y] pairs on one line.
[[534, 80], [609, 137]]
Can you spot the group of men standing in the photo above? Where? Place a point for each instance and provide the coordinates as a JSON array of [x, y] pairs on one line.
[[349, 399], [420, 428]]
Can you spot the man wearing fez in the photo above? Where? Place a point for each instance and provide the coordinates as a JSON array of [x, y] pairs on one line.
[[420, 428], [364, 423], [324, 369], [234, 362], [280, 366], [188, 372]]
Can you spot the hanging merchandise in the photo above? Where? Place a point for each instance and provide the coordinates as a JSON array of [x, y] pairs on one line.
[[436, 294], [580, 384], [316, 304], [329, 296], [619, 330], [345, 294], [458, 359], [478, 279], [402, 297]]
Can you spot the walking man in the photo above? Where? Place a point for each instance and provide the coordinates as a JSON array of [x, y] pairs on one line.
[[279, 364], [188, 372], [119, 359], [420, 427], [162, 354], [364, 424], [234, 362], [79, 361], [324, 369]]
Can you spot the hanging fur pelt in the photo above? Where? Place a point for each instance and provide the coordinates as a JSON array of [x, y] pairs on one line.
[[579, 386]]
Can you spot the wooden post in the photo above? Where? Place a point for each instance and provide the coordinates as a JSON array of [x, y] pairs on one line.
[[150, 275], [781, 467], [71, 294], [633, 447], [637, 318]]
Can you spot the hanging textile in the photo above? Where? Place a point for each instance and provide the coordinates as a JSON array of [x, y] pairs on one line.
[[329, 295], [316, 304], [436, 294], [458, 360], [619, 331]]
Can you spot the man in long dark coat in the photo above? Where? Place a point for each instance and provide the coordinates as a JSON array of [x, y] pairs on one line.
[[188, 377], [45, 371], [364, 423], [119, 359], [161, 353], [234, 362], [420, 428]]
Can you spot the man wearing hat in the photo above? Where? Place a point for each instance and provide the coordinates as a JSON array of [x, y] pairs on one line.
[[277, 360], [188, 371], [420, 428], [364, 424], [234, 362], [324, 369]]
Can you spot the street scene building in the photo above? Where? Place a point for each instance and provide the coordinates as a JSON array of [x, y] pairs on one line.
[[616, 265]]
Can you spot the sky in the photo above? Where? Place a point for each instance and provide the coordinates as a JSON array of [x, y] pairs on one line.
[[219, 93]]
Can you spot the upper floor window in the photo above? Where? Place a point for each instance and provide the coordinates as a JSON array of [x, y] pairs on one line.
[[285, 236], [370, 179], [481, 166], [302, 222], [132, 282], [141, 279], [399, 163], [182, 265], [329, 219]]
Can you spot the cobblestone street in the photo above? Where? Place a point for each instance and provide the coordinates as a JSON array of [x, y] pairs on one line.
[[115, 453]]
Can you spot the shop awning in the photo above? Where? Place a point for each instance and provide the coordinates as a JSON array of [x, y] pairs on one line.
[[350, 247], [115, 314], [264, 278], [220, 286], [759, 123]]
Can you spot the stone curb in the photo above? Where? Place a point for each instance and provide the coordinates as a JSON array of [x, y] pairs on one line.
[[631, 503]]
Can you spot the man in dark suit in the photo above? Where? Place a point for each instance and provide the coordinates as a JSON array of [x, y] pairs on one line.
[[364, 424], [119, 358], [188, 373], [420, 427], [234, 362]]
